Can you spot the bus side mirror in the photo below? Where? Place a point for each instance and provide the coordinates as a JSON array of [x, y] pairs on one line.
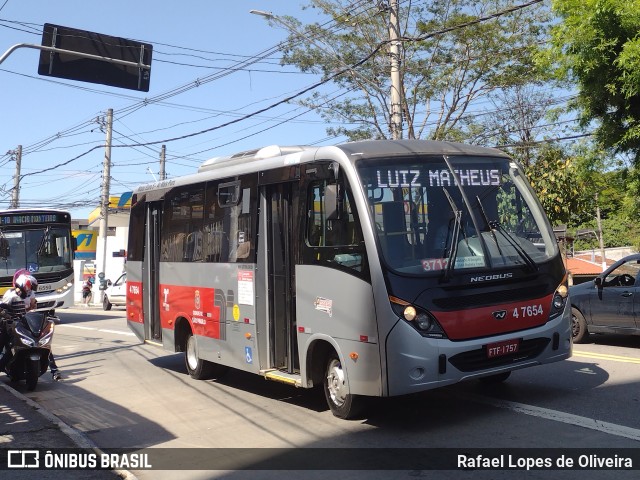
[[74, 243]]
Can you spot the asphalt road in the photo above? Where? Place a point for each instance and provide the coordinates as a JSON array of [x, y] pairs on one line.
[[123, 394]]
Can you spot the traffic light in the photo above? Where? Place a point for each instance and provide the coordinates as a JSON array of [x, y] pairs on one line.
[[103, 281]]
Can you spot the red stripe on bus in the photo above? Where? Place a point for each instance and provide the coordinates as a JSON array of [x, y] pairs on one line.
[[495, 320], [196, 304], [134, 302]]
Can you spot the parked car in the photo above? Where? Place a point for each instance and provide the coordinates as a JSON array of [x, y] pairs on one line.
[[610, 303], [116, 293]]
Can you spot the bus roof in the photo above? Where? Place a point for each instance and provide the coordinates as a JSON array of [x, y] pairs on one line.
[[31, 210], [274, 156], [391, 148]]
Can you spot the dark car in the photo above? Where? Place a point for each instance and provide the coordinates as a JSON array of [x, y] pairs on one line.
[[610, 303]]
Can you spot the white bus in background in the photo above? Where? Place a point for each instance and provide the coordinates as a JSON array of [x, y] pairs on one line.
[[40, 242]]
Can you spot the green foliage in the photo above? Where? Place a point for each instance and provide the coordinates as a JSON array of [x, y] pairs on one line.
[[443, 76], [554, 179], [597, 46], [609, 185]]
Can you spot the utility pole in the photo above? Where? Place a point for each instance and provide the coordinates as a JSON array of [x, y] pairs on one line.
[[15, 195], [604, 261], [163, 155], [394, 54], [104, 201]]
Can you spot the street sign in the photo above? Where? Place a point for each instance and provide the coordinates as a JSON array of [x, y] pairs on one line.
[[96, 58]]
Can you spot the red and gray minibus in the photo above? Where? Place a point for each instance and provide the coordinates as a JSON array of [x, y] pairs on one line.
[[373, 268]]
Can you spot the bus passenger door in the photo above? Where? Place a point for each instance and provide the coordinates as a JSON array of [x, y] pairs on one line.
[[282, 329], [151, 274]]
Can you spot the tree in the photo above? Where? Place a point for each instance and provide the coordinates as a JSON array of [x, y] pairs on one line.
[[605, 183], [556, 182], [597, 46], [522, 115], [446, 77]]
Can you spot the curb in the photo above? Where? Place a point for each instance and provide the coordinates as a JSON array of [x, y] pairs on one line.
[[79, 438]]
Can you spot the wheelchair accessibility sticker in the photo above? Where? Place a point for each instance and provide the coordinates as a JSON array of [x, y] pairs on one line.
[[248, 355]]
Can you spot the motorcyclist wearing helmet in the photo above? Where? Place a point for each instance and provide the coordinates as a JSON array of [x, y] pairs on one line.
[[25, 286]]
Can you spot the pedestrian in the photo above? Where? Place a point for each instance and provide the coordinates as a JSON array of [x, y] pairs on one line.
[[87, 291]]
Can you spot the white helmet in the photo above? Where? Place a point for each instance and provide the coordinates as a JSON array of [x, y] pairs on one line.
[[26, 284]]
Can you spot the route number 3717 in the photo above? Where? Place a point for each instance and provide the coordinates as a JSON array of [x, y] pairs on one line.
[[527, 311]]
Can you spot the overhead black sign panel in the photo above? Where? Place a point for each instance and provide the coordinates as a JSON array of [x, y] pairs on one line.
[[106, 72]]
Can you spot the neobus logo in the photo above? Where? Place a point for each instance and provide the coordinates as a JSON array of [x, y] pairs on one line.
[[486, 278]]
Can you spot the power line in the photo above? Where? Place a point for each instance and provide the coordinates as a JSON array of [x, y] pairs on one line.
[[256, 58]]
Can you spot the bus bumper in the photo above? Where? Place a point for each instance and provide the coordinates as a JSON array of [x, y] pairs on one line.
[[417, 363]]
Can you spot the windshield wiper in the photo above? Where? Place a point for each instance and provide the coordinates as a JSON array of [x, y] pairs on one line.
[[46, 238], [457, 215], [4, 247], [494, 226]]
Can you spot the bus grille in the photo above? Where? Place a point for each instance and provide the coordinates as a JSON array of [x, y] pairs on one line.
[[49, 304], [475, 360]]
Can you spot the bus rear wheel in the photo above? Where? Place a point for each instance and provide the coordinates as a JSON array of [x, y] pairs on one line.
[[196, 367], [336, 390]]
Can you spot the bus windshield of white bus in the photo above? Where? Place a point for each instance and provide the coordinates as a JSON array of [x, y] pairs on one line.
[[438, 215], [39, 250]]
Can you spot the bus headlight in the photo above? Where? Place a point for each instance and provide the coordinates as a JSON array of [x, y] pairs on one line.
[[559, 299], [409, 313], [423, 322], [418, 318]]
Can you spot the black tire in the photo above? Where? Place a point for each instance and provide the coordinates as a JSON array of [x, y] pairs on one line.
[[32, 374], [495, 379], [336, 390], [579, 330], [106, 304], [197, 368]]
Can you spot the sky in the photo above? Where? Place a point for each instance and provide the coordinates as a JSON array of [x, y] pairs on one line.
[[196, 86]]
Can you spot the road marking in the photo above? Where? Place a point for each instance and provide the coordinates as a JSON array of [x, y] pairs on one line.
[[556, 416], [103, 330], [119, 332], [604, 356]]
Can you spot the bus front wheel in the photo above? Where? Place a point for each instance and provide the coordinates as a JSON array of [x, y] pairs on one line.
[[336, 390]]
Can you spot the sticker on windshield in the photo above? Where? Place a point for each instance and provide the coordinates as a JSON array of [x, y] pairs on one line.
[[434, 264], [437, 264]]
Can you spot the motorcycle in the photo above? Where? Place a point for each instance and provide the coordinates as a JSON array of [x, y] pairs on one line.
[[30, 338]]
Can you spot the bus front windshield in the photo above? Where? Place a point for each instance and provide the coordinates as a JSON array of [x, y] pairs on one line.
[[439, 215], [39, 250]]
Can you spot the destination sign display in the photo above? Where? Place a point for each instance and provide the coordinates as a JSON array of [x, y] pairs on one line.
[[31, 218], [442, 177]]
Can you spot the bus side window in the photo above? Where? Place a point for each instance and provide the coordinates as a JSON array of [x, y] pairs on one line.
[[183, 223], [334, 239], [228, 222]]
